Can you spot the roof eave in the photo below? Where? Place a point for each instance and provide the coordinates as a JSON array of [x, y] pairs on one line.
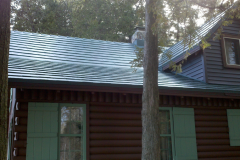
[[179, 58], [45, 84]]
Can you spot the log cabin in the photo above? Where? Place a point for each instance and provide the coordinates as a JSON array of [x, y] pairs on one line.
[[79, 99]]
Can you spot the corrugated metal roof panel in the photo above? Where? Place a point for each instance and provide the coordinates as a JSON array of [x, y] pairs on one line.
[[76, 60], [70, 50], [179, 48]]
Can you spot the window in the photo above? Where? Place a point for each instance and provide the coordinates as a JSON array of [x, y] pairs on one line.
[[56, 131], [72, 132], [178, 135], [231, 51], [166, 133]]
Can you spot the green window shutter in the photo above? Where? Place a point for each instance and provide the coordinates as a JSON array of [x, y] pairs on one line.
[[184, 133], [42, 131], [234, 126]]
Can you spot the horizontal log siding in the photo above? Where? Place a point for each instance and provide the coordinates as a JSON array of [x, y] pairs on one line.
[[194, 67], [115, 122], [212, 135], [216, 73], [115, 132]]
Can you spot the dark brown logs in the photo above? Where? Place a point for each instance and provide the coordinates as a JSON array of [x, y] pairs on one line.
[[23, 106], [22, 136], [21, 113], [20, 121], [217, 148], [23, 121], [113, 136], [115, 156], [19, 128], [221, 112], [100, 122], [19, 151], [210, 118], [211, 129], [116, 150], [21, 144], [211, 123], [115, 143], [219, 154], [201, 142], [222, 158], [19, 158], [115, 109], [115, 116], [103, 129], [212, 135]]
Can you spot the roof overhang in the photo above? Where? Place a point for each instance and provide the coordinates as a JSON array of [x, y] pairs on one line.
[[118, 88]]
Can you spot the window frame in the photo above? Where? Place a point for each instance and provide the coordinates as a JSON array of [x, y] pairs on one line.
[[224, 57], [83, 135], [172, 129]]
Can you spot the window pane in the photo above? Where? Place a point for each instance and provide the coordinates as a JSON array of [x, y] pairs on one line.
[[166, 148], [76, 127], [76, 155], [64, 156], [71, 120], [232, 49], [70, 148], [165, 122]]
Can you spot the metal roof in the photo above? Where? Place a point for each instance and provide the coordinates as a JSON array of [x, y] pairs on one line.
[[59, 59], [179, 49]]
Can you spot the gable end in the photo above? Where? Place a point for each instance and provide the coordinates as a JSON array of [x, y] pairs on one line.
[[216, 72]]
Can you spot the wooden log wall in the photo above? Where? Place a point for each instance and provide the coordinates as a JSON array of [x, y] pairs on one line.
[[115, 123], [212, 135]]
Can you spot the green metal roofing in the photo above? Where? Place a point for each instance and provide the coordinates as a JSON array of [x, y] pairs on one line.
[[179, 49], [58, 59]]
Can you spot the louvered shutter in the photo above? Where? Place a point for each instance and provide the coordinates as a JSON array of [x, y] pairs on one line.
[[42, 131], [184, 134], [234, 126]]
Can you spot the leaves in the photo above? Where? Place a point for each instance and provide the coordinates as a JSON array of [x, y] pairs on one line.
[[47, 16], [114, 20], [177, 68], [205, 44], [111, 20], [138, 61]]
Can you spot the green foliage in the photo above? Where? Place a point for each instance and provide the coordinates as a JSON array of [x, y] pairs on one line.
[[42, 16], [205, 44], [138, 61], [114, 20], [111, 20], [177, 20]]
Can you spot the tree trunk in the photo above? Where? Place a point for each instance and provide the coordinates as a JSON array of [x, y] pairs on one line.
[[150, 98], [4, 52]]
